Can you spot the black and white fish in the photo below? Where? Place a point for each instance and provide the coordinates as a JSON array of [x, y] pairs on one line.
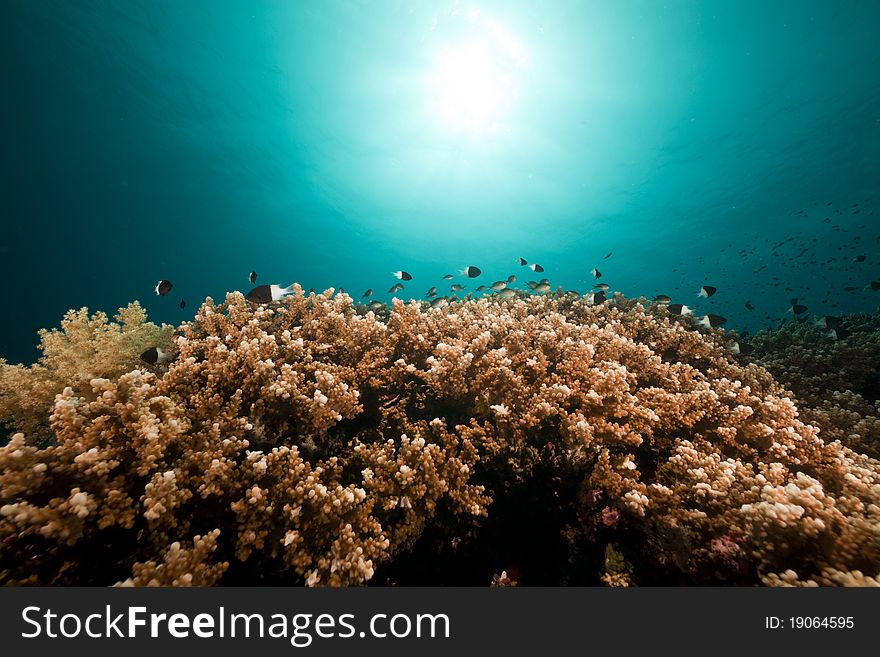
[[157, 356], [679, 309], [471, 271], [252, 277], [707, 291], [535, 267], [596, 273], [521, 261], [267, 293], [713, 321], [163, 287], [182, 304], [402, 275], [829, 322]]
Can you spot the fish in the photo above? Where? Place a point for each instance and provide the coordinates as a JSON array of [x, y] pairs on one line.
[[542, 287], [597, 298], [163, 287], [156, 356], [535, 267], [608, 256], [511, 279], [481, 288], [706, 291], [368, 293], [402, 275], [267, 293], [749, 305], [456, 287], [448, 277], [603, 287], [432, 292], [498, 285], [439, 302], [797, 308], [532, 284], [376, 305], [860, 258], [521, 261], [596, 273], [506, 293], [663, 298], [471, 272], [713, 321], [679, 309], [837, 333], [829, 322], [395, 288], [252, 277], [182, 304], [741, 348]]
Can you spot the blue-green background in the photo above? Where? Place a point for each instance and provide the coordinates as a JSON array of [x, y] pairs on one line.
[[198, 140]]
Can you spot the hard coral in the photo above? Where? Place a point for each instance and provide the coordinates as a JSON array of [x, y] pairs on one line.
[[324, 444]]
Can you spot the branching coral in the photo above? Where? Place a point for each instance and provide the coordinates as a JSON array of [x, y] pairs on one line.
[[307, 441], [85, 347]]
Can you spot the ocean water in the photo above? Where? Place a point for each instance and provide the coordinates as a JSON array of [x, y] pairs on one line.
[[331, 143]]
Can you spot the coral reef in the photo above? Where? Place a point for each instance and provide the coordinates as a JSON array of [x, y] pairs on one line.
[[305, 441]]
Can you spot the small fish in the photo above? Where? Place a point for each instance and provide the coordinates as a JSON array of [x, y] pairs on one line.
[[749, 305], [511, 279], [439, 302], [376, 305], [481, 288], [252, 277], [395, 288], [542, 287], [797, 308], [456, 287], [521, 261], [608, 256], [267, 293], [598, 297], [663, 298], [471, 271], [402, 275], [532, 284], [498, 285], [368, 293], [156, 356], [182, 304], [829, 322], [596, 273], [506, 293], [713, 321], [602, 287], [535, 267], [163, 287], [448, 277], [432, 292], [741, 348], [837, 333], [706, 291], [679, 309], [861, 258]]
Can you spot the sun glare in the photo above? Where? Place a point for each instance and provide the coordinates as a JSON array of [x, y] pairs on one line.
[[473, 82]]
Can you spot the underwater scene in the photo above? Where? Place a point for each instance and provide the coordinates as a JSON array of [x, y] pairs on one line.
[[440, 292]]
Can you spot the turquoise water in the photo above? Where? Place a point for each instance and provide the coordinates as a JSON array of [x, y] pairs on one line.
[[331, 143]]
